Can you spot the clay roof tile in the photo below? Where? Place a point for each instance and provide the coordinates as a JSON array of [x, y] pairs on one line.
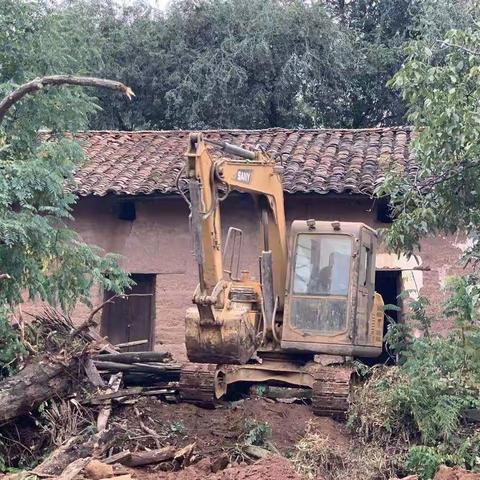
[[322, 161]]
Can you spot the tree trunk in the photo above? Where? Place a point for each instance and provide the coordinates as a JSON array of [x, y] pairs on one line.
[[40, 380], [137, 459], [133, 357]]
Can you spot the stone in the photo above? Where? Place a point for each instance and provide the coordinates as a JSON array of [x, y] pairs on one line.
[[455, 473], [97, 470]]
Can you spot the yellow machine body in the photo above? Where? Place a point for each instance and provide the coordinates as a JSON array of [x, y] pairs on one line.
[[316, 290]]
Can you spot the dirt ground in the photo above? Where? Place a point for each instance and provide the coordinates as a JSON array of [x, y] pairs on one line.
[[271, 468], [215, 430], [220, 433]]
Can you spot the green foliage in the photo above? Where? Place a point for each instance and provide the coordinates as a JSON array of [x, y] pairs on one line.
[[464, 300], [248, 63], [399, 334], [439, 83], [423, 400], [41, 255], [256, 433], [427, 394], [10, 346], [252, 63], [425, 460], [176, 428]]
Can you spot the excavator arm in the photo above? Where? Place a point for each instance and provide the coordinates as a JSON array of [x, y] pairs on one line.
[[254, 173], [210, 177]]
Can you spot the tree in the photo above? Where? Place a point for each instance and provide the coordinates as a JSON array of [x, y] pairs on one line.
[[440, 84], [39, 253], [248, 64], [379, 30]]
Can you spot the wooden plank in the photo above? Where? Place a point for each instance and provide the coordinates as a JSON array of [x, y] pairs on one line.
[[123, 392], [134, 343], [74, 469], [104, 414], [136, 367], [92, 374]]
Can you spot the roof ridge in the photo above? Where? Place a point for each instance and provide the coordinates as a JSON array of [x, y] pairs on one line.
[[257, 130]]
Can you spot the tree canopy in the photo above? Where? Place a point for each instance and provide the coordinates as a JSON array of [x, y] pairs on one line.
[[39, 254], [440, 84], [248, 63]]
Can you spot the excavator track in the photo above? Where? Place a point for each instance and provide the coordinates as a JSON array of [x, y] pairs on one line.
[[331, 390], [197, 384]]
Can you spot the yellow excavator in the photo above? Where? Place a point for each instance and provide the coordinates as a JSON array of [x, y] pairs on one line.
[[313, 308]]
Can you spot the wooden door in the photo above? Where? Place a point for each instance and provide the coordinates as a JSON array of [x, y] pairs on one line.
[[132, 318]]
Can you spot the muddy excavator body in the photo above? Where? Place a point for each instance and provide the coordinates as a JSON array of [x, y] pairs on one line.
[[315, 294]]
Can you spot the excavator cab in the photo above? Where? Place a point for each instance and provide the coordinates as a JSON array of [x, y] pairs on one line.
[[330, 305]]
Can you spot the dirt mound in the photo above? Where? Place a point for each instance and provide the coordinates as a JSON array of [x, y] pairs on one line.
[[274, 467], [216, 431], [455, 473], [221, 433]]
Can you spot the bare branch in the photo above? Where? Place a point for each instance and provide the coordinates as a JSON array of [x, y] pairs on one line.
[[461, 47], [90, 321], [57, 80]]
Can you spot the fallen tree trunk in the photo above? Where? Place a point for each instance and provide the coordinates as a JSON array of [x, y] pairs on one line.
[[134, 357], [137, 367], [40, 380]]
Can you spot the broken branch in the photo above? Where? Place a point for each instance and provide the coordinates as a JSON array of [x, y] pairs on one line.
[[58, 80]]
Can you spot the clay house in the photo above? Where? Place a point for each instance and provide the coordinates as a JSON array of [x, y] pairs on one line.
[[129, 204]]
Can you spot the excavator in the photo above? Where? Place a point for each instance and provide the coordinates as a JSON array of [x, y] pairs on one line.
[[312, 309]]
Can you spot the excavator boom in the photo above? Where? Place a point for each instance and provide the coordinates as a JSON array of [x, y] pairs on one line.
[[254, 173]]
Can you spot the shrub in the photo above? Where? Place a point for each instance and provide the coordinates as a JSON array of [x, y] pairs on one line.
[[316, 456], [422, 400], [11, 348], [255, 432]]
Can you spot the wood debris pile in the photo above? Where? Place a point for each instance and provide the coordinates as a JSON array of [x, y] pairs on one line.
[[65, 391]]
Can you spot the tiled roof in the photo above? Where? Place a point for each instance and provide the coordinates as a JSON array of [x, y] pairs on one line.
[[322, 161]]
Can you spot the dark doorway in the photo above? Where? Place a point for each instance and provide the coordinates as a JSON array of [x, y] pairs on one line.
[[388, 283], [132, 318]]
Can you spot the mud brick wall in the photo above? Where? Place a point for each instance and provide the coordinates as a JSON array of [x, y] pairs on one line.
[[158, 242]]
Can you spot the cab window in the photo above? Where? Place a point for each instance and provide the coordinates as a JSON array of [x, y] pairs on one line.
[[322, 265], [321, 281]]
